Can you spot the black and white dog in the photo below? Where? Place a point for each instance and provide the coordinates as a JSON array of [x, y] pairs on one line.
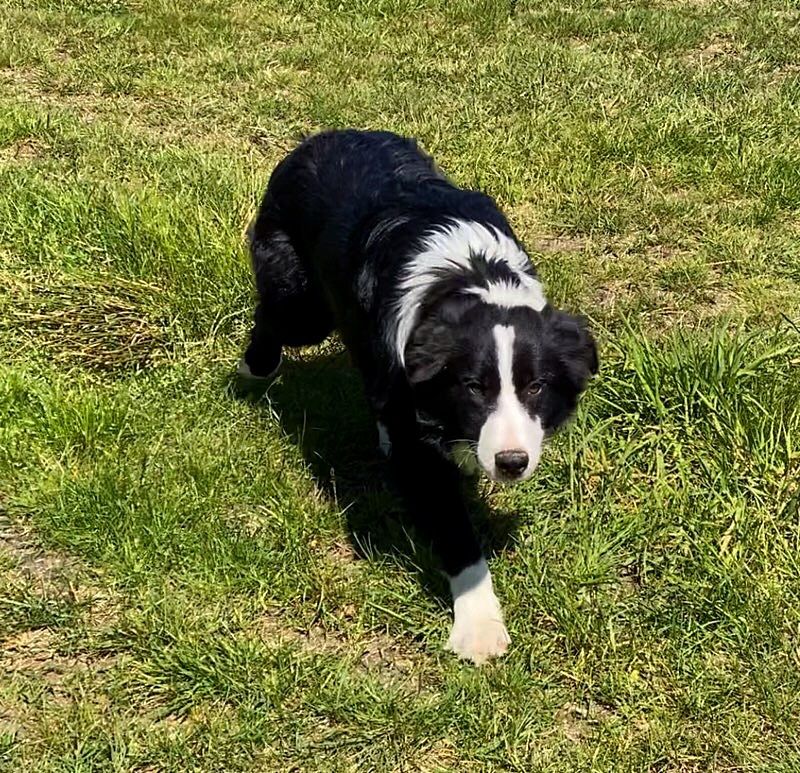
[[463, 360]]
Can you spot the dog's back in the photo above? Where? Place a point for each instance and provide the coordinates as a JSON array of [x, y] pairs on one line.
[[333, 180]]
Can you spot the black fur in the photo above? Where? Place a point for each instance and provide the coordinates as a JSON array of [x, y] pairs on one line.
[[341, 219]]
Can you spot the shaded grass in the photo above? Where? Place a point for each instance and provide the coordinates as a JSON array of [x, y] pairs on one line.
[[244, 592]]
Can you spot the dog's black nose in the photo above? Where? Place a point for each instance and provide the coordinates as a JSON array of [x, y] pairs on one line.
[[511, 463]]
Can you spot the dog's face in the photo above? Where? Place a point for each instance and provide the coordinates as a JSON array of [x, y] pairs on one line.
[[496, 381]]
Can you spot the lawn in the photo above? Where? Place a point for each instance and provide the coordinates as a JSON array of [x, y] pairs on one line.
[[193, 579]]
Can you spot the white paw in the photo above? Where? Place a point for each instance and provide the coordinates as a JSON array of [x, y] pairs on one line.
[[478, 639], [478, 632], [243, 371]]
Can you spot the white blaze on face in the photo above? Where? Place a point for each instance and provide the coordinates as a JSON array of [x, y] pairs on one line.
[[509, 427]]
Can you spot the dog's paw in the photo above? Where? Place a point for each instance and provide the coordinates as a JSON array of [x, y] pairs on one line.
[[478, 638], [244, 372]]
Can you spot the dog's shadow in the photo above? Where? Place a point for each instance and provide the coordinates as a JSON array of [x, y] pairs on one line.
[[320, 404]]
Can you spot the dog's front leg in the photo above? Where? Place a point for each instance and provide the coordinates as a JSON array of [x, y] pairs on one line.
[[478, 632], [432, 487]]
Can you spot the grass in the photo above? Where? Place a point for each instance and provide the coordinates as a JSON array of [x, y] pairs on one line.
[[194, 581]]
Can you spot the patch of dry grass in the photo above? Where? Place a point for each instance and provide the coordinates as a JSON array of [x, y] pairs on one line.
[[98, 322]]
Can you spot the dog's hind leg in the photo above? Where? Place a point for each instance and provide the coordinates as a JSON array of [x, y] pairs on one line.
[[291, 309], [262, 358]]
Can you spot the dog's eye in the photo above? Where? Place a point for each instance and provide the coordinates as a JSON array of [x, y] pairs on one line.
[[475, 388], [533, 389]]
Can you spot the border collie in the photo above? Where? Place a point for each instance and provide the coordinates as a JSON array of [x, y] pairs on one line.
[[463, 360]]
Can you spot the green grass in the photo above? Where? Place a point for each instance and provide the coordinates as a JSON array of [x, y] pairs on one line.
[[191, 581]]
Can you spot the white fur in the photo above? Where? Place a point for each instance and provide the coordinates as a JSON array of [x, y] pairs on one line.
[[478, 632], [243, 370], [451, 247], [527, 293], [509, 427]]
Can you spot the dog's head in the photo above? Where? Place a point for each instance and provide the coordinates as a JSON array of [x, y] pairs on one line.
[[496, 381]]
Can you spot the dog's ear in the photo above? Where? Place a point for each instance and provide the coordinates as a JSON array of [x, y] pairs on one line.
[[569, 341], [436, 340], [428, 350]]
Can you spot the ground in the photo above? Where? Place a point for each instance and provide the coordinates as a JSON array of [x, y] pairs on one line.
[[193, 580]]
